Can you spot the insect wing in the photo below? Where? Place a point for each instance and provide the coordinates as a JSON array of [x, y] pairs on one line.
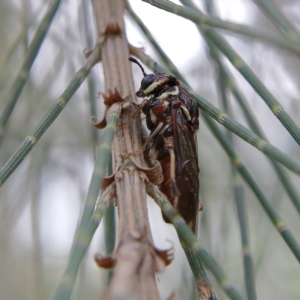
[[187, 170]]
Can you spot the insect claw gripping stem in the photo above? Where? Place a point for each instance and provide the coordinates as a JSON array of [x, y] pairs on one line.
[[135, 114]]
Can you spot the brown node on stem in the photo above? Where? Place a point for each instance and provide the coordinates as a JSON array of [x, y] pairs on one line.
[[105, 262], [153, 174], [109, 99], [112, 28], [163, 258], [205, 291]]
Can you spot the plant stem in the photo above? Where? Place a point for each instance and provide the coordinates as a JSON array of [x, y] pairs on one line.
[[135, 258], [278, 223], [230, 83], [89, 220], [91, 80], [271, 10], [23, 73], [201, 20], [237, 185], [110, 226], [197, 252], [31, 140], [280, 171], [247, 258], [151, 39]]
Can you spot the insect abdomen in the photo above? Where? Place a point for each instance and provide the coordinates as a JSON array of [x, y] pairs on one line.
[[175, 149]]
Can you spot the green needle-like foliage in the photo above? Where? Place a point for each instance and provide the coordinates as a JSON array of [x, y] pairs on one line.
[[243, 223], [237, 185], [155, 45], [238, 63], [110, 225], [198, 254], [270, 9], [23, 73], [31, 140], [90, 219], [277, 221], [280, 171], [201, 20], [230, 83], [91, 80]]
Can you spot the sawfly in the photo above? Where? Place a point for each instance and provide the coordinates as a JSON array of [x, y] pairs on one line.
[[172, 117]]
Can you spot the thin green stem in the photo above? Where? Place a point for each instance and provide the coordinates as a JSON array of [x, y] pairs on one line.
[[277, 221], [230, 83], [110, 226], [272, 11], [251, 120], [237, 185], [201, 19], [228, 122], [90, 217], [196, 249], [280, 171], [238, 63], [91, 80], [23, 73], [152, 40], [243, 224], [31, 140], [12, 49]]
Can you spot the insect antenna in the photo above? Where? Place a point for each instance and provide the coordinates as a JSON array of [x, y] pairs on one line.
[[136, 62]]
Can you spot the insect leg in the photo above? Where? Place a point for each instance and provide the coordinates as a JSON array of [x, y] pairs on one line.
[[136, 112], [153, 134]]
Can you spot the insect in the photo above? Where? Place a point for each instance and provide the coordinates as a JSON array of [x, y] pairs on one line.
[[172, 117]]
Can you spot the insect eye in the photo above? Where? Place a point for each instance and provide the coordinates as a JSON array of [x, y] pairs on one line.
[[147, 81]]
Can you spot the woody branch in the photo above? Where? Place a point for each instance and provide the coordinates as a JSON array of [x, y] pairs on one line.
[[135, 258]]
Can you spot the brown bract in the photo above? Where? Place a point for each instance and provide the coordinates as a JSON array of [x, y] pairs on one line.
[[108, 99]]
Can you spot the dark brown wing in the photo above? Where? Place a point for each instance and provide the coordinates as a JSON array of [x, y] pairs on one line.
[[187, 170]]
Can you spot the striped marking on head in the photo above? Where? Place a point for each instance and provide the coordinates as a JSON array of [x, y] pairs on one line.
[[170, 92], [154, 85]]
